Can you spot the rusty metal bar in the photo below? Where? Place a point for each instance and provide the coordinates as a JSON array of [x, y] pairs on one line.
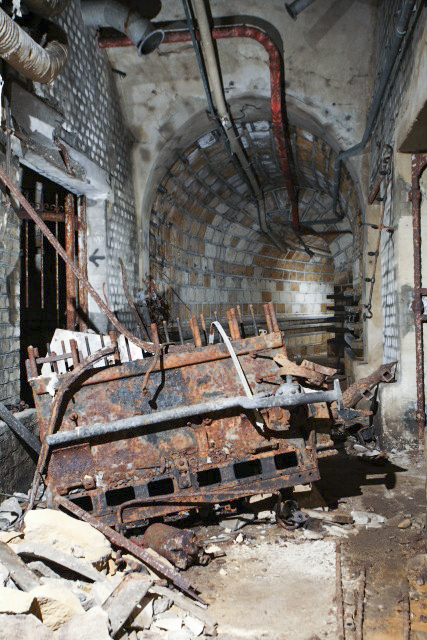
[[47, 216], [77, 272], [232, 323], [196, 331], [27, 290], [260, 401], [419, 163], [251, 307], [74, 352], [57, 300], [33, 364], [273, 316], [178, 324], [41, 271], [155, 334], [82, 261], [66, 383], [241, 323], [268, 318], [165, 329], [70, 242], [136, 550], [202, 320], [181, 359], [50, 354]]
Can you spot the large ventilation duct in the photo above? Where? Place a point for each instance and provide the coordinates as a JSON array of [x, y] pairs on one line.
[[114, 14], [26, 56], [46, 8]]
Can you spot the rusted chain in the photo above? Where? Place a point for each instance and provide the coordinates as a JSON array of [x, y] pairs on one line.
[[131, 303]]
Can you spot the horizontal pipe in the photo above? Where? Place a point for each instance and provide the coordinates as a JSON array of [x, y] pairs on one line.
[[259, 401]]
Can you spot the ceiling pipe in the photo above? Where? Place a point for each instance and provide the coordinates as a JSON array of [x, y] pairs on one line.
[[130, 22], [241, 27], [396, 41], [17, 48], [46, 8], [297, 7]]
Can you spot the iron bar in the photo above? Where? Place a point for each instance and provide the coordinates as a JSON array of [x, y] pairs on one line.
[[178, 324], [419, 164], [70, 240], [19, 429], [82, 261], [146, 346], [259, 401]]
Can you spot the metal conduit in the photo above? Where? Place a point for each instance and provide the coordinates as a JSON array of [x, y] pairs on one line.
[[234, 27], [400, 31], [23, 53]]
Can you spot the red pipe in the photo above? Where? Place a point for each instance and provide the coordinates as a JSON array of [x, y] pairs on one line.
[[277, 91]]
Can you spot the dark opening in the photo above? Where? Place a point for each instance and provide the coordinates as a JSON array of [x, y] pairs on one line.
[[208, 477], [247, 469], [118, 496], [286, 460], [160, 487], [84, 502]]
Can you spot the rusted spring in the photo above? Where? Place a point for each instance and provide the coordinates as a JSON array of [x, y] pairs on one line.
[[146, 346], [67, 381], [141, 325]]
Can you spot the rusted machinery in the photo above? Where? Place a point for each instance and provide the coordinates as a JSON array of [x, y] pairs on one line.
[[130, 441]]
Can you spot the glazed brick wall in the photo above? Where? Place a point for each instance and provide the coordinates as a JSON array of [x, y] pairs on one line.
[[205, 249], [85, 93]]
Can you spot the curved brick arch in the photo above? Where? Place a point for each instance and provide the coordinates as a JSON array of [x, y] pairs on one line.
[[205, 247]]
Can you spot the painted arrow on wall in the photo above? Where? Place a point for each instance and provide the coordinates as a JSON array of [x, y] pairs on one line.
[[94, 258]]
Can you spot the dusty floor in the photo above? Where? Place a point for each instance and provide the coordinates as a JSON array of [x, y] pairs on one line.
[[277, 585]]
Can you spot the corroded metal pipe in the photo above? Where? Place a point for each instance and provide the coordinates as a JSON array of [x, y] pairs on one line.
[[23, 53]]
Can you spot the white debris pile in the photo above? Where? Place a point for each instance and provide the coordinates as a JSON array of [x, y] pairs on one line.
[[60, 579]]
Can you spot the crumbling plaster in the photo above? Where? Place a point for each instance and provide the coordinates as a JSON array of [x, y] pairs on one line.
[[328, 68]]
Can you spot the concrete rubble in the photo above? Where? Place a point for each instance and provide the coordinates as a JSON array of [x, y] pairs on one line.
[[76, 585]]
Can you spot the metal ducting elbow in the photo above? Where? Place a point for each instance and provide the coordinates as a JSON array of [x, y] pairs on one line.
[[46, 8], [114, 14], [41, 64]]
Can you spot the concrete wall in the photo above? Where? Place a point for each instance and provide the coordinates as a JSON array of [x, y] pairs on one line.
[[16, 464], [391, 333]]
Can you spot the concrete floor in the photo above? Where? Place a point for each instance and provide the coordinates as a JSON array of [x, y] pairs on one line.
[[277, 585]]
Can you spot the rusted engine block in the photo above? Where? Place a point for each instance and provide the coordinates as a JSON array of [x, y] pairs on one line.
[[108, 458]]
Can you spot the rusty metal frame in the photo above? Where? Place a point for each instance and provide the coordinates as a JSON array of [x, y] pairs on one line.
[[419, 164]]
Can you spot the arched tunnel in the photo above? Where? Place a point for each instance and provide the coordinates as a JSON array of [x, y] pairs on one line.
[[206, 246]]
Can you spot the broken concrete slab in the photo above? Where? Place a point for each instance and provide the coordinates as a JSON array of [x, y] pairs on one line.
[[195, 625], [4, 575], [67, 534], [11, 505], [237, 522], [23, 627], [121, 603], [168, 624], [92, 625], [57, 605], [21, 575], [13, 601], [189, 606], [59, 558], [160, 605]]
